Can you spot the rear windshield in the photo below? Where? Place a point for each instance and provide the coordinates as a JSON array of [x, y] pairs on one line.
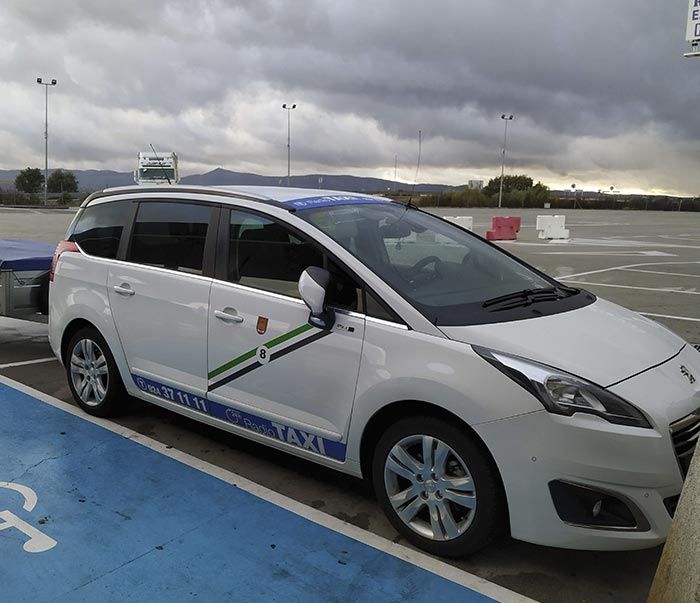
[[443, 271]]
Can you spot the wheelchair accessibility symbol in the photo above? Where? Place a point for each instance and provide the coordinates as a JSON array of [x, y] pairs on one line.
[[37, 542]]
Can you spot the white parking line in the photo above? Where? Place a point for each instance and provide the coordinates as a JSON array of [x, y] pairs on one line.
[[417, 558], [612, 242], [680, 237], [27, 362], [669, 316], [620, 254], [575, 282], [600, 243], [659, 272], [601, 270]]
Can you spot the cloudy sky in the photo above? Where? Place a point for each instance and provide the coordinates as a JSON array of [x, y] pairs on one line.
[[600, 91]]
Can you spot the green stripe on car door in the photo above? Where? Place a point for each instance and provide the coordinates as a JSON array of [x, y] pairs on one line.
[[251, 353], [231, 363], [286, 336]]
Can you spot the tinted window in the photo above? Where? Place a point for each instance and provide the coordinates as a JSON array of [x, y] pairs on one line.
[[446, 273], [266, 255], [376, 309], [170, 235], [99, 228], [343, 291]]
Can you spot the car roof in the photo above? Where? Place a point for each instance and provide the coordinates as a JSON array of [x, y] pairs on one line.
[[290, 198]]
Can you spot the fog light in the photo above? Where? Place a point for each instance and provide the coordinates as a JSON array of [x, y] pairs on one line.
[[588, 507]]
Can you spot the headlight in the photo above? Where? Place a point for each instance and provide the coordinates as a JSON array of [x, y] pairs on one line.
[[562, 393]]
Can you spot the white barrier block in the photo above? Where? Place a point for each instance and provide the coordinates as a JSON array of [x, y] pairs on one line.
[[552, 227], [463, 221]]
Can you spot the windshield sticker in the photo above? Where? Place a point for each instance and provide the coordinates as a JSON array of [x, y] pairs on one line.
[[334, 200]]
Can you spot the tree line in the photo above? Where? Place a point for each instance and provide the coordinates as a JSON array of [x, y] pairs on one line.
[[31, 182], [518, 191]]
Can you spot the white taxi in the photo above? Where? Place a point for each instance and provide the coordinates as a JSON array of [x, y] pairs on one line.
[[477, 394]]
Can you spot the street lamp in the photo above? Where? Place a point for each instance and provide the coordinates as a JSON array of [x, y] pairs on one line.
[[396, 171], [289, 147], [46, 133], [506, 119]]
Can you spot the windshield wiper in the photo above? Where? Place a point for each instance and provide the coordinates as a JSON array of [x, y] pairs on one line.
[[527, 297]]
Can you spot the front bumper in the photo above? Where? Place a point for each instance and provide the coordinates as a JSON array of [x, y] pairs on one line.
[[639, 466], [533, 450]]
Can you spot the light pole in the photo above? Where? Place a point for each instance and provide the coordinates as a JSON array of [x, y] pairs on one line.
[[46, 133], [506, 119], [289, 108], [396, 171]]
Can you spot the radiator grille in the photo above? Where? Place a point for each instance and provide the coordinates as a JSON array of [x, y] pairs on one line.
[[684, 434]]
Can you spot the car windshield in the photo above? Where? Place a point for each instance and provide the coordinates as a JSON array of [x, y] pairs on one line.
[[443, 271]]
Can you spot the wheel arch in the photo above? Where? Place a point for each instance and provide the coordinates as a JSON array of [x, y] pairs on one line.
[[385, 416], [71, 329]]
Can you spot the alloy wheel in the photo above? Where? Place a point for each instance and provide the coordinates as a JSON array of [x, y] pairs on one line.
[[89, 372], [430, 487]]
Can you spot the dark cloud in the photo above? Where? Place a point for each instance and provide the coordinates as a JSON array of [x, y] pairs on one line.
[[599, 89]]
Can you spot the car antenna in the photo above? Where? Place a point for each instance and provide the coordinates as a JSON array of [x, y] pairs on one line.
[[160, 163], [415, 179]]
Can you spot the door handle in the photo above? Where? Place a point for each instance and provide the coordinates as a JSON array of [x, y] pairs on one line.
[[124, 289], [226, 317]]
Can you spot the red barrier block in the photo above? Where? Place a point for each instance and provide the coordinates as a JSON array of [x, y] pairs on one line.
[[504, 228]]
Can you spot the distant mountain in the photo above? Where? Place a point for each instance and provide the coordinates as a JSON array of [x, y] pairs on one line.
[[92, 180], [357, 184]]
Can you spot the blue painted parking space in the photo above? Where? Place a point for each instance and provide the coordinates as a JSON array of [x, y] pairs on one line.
[[87, 514]]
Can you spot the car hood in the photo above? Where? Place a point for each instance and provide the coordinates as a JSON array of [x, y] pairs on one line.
[[601, 342]]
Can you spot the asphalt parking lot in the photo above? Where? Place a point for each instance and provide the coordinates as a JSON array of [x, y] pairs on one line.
[[649, 262]]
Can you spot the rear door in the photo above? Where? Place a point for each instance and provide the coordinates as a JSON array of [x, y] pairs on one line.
[[274, 373], [159, 297]]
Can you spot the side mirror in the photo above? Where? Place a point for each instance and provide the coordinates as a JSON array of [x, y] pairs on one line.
[[313, 283]]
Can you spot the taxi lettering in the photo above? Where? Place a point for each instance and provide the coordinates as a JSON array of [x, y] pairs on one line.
[[296, 437]]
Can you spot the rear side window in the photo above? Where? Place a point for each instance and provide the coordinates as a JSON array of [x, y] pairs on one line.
[[99, 228], [170, 235]]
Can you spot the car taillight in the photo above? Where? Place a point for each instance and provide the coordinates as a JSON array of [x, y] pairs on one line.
[[62, 246]]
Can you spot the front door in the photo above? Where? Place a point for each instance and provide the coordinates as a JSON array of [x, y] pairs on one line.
[[276, 374]]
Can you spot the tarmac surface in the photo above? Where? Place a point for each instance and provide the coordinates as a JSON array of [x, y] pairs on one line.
[[646, 261]]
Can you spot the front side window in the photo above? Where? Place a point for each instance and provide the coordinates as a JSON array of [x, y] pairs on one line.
[[170, 235], [266, 255], [99, 228], [449, 275]]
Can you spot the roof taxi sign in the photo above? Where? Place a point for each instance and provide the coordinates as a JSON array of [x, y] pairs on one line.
[[693, 31], [155, 168]]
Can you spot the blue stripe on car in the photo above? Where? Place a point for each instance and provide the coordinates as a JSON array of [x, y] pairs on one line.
[[271, 429]]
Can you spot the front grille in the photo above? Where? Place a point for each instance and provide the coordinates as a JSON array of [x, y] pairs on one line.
[[684, 434]]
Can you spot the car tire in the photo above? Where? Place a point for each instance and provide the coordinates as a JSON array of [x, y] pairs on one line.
[[453, 507], [93, 376]]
